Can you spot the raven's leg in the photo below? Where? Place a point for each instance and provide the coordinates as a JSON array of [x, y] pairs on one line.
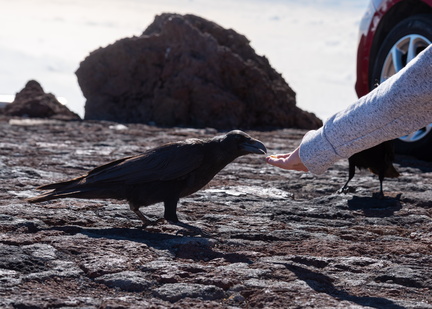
[[351, 174], [146, 221], [381, 179], [170, 215]]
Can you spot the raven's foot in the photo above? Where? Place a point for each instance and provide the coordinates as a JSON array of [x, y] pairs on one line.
[[346, 189], [378, 195], [145, 220], [189, 230]]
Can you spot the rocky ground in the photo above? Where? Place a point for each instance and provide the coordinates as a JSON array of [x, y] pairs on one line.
[[277, 239]]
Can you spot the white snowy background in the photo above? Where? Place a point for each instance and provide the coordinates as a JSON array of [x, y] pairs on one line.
[[312, 43]]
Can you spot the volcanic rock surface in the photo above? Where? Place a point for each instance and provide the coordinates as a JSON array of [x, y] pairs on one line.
[[185, 70], [278, 239], [33, 102]]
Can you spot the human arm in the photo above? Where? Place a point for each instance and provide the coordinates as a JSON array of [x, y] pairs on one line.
[[400, 105]]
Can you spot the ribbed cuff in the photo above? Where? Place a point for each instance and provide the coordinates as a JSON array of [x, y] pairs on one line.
[[316, 153]]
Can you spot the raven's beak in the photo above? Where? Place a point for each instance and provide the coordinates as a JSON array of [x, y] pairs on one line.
[[254, 146]]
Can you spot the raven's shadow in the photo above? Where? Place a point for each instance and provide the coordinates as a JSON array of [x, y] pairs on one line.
[[195, 248], [324, 284], [376, 207]]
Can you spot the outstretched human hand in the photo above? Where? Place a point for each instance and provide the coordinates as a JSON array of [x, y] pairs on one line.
[[289, 161]]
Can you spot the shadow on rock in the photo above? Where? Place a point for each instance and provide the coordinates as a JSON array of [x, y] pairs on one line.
[[376, 207], [423, 164], [190, 247], [324, 284]]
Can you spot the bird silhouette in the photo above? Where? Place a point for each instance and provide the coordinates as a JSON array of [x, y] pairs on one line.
[[163, 174], [378, 159]]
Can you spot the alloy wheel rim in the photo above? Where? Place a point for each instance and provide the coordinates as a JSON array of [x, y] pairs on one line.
[[406, 49]]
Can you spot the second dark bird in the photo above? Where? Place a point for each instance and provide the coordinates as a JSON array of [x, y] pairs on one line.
[[163, 174], [378, 159]]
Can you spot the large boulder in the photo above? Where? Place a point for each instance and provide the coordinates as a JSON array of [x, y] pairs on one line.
[[187, 71], [33, 102]]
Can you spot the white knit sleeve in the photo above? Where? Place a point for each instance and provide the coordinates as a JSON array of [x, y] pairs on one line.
[[400, 105]]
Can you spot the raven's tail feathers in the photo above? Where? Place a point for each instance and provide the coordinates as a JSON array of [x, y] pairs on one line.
[[52, 195], [59, 185], [70, 188], [42, 198]]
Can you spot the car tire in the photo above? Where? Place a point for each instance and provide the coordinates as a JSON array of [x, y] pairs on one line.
[[415, 31]]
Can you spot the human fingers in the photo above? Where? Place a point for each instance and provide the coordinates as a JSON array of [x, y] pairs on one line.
[[276, 161], [290, 161], [280, 156]]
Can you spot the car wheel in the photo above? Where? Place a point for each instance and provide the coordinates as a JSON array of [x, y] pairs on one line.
[[402, 44]]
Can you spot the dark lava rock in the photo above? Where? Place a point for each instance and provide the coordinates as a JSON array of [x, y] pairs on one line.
[[13, 258], [176, 291], [278, 239], [126, 281], [33, 102], [187, 71]]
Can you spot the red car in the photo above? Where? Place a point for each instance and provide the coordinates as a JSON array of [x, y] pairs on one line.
[[392, 32]]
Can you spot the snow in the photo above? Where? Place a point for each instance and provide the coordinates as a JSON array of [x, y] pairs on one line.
[[312, 43]]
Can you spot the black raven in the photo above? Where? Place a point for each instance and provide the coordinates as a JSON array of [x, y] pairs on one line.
[[163, 174], [378, 159]]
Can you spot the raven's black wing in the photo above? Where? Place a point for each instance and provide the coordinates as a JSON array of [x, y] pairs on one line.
[[163, 163]]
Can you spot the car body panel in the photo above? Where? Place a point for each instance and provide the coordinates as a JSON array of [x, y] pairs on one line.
[[378, 20]]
